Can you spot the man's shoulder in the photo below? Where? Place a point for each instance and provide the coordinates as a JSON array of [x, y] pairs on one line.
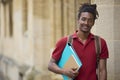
[[102, 40], [62, 40]]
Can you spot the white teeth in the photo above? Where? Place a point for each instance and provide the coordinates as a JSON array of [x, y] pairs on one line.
[[85, 27]]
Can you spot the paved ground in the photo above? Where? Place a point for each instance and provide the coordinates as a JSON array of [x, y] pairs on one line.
[[1, 76]]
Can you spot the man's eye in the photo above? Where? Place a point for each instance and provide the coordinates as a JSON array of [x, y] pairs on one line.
[[83, 19]]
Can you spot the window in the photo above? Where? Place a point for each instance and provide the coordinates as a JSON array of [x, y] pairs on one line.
[[6, 18], [25, 14]]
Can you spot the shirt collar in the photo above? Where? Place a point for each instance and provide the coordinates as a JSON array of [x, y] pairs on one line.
[[90, 36]]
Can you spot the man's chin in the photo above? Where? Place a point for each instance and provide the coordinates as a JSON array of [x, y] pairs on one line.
[[85, 30]]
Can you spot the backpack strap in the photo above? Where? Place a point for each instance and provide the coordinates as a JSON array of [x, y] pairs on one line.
[[98, 48], [70, 40]]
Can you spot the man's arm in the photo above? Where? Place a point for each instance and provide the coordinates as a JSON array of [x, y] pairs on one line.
[[102, 69], [52, 66]]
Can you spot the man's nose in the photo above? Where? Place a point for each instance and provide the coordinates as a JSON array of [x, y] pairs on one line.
[[86, 22]]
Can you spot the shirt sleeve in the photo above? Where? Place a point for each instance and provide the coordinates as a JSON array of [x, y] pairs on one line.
[[59, 47], [104, 50]]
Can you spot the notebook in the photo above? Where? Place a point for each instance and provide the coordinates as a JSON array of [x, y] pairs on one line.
[[69, 59]]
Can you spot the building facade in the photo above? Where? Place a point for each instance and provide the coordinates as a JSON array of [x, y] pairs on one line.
[[29, 30]]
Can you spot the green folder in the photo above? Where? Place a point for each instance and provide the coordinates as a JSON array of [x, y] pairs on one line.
[[69, 59]]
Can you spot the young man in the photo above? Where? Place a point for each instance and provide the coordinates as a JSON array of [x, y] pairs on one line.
[[84, 45]]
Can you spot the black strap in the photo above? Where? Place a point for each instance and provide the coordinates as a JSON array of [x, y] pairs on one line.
[[70, 40]]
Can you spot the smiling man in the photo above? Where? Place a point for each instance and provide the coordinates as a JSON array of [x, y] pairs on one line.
[[84, 45]]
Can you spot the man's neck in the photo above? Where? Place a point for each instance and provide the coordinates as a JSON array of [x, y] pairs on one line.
[[82, 36]]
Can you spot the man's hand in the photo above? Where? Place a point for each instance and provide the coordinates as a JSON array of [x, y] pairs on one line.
[[72, 73]]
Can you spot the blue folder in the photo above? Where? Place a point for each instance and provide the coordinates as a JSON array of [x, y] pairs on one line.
[[69, 53]]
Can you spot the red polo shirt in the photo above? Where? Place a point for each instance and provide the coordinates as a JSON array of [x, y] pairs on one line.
[[86, 53]]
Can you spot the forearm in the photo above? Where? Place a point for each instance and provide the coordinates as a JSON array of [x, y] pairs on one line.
[[54, 68], [71, 72], [103, 75], [102, 70]]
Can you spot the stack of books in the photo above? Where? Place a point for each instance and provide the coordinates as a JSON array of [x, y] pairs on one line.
[[69, 59]]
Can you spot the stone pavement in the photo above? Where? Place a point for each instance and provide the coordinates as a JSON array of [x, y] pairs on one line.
[[1, 76]]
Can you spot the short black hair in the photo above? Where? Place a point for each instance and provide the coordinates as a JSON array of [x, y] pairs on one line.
[[87, 7]]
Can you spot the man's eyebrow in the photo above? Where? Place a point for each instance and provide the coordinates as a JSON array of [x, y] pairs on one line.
[[86, 17]]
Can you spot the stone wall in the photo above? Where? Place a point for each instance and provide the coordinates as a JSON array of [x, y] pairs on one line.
[[107, 26], [38, 24]]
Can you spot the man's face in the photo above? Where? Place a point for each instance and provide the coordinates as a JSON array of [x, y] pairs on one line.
[[86, 21]]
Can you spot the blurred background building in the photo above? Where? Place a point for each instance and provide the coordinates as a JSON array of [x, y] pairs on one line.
[[29, 30]]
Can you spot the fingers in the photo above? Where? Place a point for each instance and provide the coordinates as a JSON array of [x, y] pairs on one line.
[[73, 73], [74, 69]]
